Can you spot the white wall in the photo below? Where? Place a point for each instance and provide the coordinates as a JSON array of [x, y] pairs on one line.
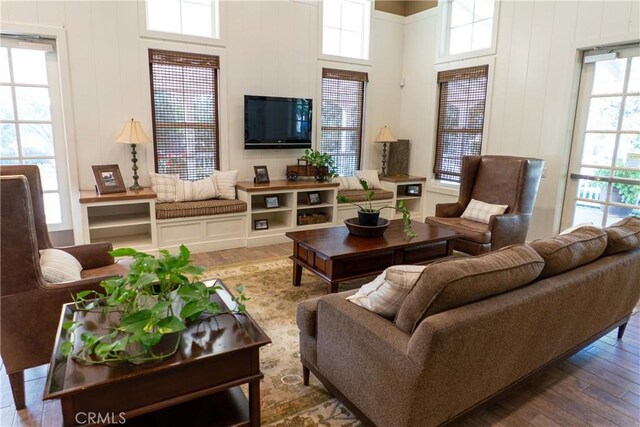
[[271, 48], [535, 81]]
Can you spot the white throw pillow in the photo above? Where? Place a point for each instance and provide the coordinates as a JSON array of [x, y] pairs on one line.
[[164, 186], [226, 183], [371, 176], [482, 212], [348, 182], [203, 189], [385, 294], [59, 266]]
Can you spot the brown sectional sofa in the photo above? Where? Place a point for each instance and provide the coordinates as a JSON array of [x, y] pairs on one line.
[[472, 327]]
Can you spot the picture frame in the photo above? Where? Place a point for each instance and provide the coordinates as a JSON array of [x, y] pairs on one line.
[[271, 202], [413, 190], [313, 197], [262, 174], [108, 179], [261, 224]]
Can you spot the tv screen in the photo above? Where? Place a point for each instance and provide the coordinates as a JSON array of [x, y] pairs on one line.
[[272, 122]]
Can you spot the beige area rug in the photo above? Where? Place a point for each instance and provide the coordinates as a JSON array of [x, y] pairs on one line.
[[285, 401]]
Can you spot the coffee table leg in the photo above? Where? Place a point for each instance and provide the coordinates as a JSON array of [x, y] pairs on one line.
[[297, 274], [332, 287], [254, 403]]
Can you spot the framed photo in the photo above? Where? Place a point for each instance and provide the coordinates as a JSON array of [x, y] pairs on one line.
[[271, 201], [413, 190], [314, 198], [108, 179], [262, 175], [261, 224]]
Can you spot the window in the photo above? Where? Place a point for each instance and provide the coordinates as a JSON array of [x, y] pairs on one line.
[[341, 120], [460, 119], [346, 28], [31, 119], [189, 17], [184, 91], [469, 26]]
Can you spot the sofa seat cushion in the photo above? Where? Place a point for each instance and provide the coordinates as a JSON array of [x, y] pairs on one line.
[[361, 195], [199, 208], [623, 235], [472, 230], [567, 251], [451, 283]]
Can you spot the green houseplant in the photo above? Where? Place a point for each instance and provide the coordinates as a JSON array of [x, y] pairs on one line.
[[156, 300], [323, 162], [368, 216]]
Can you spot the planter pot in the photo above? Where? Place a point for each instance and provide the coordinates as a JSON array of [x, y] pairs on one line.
[[368, 219], [149, 301], [359, 230]]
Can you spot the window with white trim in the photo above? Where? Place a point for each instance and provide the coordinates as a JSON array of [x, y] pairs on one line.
[[346, 28], [468, 26], [31, 119], [189, 17]]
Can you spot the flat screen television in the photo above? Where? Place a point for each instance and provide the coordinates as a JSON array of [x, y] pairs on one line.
[[273, 122]]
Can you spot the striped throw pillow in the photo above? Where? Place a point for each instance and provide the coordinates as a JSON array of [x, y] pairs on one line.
[[189, 191], [226, 183], [348, 182], [385, 294], [59, 266], [482, 212], [371, 176], [164, 186]]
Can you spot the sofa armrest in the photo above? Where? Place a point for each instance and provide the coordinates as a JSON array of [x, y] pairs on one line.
[[307, 312], [508, 229], [90, 256], [449, 210]]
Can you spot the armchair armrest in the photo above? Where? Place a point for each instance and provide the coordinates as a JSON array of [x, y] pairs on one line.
[[508, 229], [90, 256], [449, 210]]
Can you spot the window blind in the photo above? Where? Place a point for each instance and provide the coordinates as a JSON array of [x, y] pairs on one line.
[[461, 107], [343, 94], [184, 92]]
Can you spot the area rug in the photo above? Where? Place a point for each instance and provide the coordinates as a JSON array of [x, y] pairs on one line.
[[285, 401]]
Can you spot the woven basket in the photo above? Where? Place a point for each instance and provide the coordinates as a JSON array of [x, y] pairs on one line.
[[315, 218]]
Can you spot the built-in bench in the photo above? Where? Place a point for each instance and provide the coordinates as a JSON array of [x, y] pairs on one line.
[[203, 225]]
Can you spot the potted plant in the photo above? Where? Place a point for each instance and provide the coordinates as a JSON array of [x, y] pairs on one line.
[[368, 216], [156, 300], [323, 162]]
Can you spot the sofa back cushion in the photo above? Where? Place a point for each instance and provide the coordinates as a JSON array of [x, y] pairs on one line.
[[623, 235], [567, 251], [451, 283]]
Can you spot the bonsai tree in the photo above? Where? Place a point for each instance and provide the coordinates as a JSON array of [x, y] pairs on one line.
[[326, 167], [159, 296], [367, 215]]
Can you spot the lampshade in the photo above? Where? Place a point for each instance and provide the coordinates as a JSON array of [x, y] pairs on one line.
[[385, 135], [133, 134]]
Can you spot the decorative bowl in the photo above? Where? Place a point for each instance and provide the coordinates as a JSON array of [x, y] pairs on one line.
[[366, 231]]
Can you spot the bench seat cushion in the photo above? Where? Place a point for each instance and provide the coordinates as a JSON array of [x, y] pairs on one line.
[[199, 208], [360, 195]]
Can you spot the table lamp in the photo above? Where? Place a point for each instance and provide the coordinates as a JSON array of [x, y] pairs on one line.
[[385, 136], [133, 134]]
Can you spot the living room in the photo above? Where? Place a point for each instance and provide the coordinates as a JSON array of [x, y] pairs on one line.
[[536, 56]]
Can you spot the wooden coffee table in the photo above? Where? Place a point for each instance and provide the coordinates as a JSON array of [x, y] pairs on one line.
[[337, 256], [197, 386]]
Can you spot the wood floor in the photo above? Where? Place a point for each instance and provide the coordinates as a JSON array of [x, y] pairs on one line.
[[599, 386]]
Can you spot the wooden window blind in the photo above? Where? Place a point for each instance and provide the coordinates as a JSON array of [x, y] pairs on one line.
[[184, 93], [461, 107], [343, 94]]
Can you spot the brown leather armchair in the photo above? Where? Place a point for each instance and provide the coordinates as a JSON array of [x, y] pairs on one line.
[[503, 180], [30, 307]]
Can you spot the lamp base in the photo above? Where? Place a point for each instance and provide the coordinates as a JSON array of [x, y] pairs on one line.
[[384, 159], [136, 187]]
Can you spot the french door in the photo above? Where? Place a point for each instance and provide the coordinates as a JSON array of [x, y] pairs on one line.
[[604, 172]]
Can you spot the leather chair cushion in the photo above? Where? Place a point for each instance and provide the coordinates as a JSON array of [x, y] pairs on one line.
[[623, 235], [567, 251], [472, 230]]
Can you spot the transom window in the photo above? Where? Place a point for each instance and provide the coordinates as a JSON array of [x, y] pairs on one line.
[[346, 27], [469, 26], [189, 17]]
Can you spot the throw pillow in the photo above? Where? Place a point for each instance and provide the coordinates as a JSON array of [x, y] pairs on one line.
[[348, 182], [371, 176], [188, 191], [385, 293], [623, 235], [482, 212], [59, 266], [226, 181], [164, 186]]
